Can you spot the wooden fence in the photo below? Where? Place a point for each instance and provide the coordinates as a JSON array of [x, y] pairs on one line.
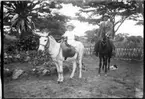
[[122, 53]]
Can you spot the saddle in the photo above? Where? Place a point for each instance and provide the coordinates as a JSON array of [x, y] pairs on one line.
[[67, 50]]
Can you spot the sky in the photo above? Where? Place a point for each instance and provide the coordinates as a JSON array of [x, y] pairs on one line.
[[81, 27]]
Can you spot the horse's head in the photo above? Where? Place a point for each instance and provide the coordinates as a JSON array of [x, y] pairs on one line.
[[104, 42]]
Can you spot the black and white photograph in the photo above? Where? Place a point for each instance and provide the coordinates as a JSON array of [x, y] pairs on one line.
[[72, 49]]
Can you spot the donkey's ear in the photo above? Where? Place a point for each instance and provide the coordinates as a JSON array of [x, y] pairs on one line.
[[47, 34]]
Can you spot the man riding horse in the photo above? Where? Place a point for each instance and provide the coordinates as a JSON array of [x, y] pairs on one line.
[[105, 33]]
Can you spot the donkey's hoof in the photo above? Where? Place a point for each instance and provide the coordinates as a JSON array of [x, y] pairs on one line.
[[71, 77], [59, 82], [99, 75]]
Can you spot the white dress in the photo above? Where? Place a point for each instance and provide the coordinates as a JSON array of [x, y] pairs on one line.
[[70, 37]]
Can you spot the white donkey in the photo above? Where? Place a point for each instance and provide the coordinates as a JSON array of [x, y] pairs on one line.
[[57, 53]]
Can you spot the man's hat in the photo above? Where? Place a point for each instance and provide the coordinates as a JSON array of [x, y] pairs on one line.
[[106, 15]]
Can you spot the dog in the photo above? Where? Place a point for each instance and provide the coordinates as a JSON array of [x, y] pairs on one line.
[[113, 67]]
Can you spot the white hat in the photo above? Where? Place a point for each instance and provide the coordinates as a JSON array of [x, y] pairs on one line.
[[70, 25]]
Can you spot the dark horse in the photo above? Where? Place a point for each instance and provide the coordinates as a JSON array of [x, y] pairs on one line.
[[104, 50]]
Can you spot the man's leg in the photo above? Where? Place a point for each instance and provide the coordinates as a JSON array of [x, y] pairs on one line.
[[96, 48], [113, 47]]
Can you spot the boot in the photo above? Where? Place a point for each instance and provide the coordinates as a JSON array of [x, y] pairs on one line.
[[96, 48], [113, 47]]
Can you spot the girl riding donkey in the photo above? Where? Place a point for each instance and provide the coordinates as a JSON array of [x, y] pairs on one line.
[[60, 53], [69, 35]]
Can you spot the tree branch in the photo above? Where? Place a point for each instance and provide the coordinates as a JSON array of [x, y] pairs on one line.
[[118, 22], [12, 38], [121, 24]]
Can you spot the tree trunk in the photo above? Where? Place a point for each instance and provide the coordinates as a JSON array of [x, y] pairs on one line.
[[113, 31], [25, 34]]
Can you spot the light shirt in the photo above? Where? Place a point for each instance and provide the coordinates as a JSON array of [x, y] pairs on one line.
[[70, 35], [70, 38], [106, 27]]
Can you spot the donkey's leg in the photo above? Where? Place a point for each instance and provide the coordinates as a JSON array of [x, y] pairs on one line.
[[58, 71], [80, 59], [74, 69], [61, 70], [80, 68]]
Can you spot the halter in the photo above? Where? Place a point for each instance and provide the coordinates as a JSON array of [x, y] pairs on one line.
[[47, 44], [43, 45]]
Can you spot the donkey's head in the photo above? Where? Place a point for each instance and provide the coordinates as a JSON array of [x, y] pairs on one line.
[[43, 40]]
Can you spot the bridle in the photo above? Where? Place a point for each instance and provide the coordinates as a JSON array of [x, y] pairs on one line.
[[43, 45], [47, 44]]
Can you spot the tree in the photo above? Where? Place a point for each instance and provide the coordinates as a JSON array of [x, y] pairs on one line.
[[112, 7], [139, 10], [55, 24], [120, 37], [21, 14], [91, 35], [24, 16]]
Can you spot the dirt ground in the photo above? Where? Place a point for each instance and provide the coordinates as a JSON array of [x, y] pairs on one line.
[[120, 83]]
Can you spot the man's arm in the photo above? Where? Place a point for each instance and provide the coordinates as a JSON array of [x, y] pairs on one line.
[[100, 30], [110, 29]]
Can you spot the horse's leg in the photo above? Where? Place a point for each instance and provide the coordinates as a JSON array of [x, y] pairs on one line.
[[74, 69], [103, 66], [108, 63], [58, 71], [100, 64], [61, 70], [105, 63]]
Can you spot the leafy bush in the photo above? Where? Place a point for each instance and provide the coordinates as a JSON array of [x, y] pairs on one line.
[[28, 43], [25, 50], [40, 58], [128, 41]]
